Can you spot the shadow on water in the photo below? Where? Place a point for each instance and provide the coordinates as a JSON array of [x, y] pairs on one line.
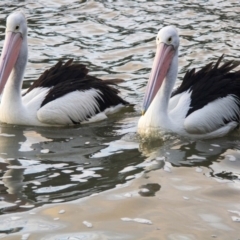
[[44, 165], [220, 156]]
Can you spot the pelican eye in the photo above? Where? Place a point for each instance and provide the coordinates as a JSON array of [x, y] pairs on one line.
[[169, 39], [17, 27]]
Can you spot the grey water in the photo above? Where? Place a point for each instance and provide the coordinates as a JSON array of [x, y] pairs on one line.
[[115, 39]]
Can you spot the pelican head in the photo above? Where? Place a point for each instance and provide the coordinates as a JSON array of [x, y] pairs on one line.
[[167, 47], [16, 22], [16, 31]]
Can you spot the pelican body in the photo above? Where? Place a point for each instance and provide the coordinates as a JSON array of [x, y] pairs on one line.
[[207, 103], [63, 95]]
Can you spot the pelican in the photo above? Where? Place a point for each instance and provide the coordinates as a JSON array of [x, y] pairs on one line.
[[63, 95], [206, 104]]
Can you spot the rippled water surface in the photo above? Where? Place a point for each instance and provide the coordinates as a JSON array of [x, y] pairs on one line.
[[116, 39]]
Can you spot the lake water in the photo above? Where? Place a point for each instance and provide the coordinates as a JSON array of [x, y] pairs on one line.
[[100, 181]]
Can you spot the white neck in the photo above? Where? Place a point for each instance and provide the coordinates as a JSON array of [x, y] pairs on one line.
[[11, 101], [157, 115]]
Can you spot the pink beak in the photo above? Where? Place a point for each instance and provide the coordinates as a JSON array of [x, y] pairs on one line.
[[162, 61], [11, 48]]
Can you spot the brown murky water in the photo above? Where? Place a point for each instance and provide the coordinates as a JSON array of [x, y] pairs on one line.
[[99, 181]]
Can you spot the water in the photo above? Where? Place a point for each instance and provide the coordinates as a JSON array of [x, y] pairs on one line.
[[116, 39]]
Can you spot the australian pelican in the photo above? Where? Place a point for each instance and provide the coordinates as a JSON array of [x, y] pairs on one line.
[[63, 95], [206, 104]]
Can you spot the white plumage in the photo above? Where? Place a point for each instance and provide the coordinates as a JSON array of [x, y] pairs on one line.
[[206, 104], [212, 115], [63, 95]]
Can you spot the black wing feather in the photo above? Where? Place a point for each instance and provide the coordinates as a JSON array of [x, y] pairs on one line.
[[210, 83], [65, 78]]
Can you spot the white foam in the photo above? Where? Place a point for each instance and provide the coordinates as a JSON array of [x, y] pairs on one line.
[[45, 151], [67, 171], [130, 177], [59, 165], [87, 224], [27, 206], [138, 220], [144, 190], [57, 200], [231, 158], [15, 218], [187, 188], [85, 174], [54, 175], [128, 169], [195, 157], [127, 195], [61, 211], [25, 236], [215, 145], [198, 169], [7, 135], [15, 167]]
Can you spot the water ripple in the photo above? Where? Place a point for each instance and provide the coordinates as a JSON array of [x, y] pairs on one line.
[[115, 39]]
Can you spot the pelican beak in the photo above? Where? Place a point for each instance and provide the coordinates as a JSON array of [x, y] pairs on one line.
[[161, 63], [10, 51]]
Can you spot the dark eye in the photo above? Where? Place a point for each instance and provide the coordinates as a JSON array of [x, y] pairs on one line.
[[169, 39], [17, 27]]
